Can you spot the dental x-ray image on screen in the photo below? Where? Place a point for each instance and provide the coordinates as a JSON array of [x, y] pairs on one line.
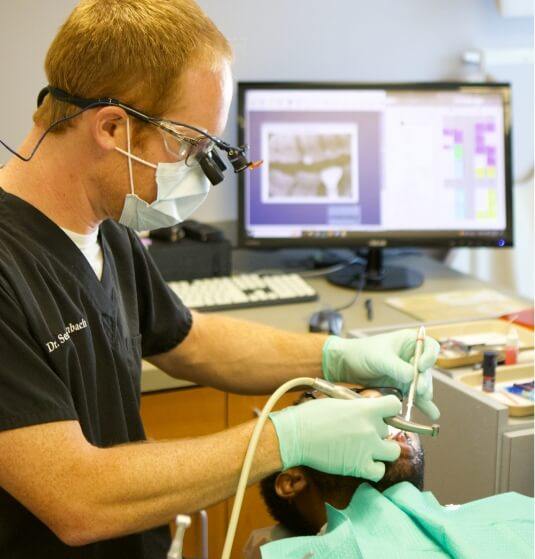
[[310, 163]]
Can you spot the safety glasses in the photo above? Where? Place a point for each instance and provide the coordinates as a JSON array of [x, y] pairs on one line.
[[182, 147], [201, 149]]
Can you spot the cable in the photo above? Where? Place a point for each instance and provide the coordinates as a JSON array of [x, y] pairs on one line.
[[326, 271], [307, 273], [330, 269], [53, 125], [355, 298], [248, 462]]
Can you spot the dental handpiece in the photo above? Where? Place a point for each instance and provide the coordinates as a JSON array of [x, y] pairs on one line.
[[344, 393], [183, 522]]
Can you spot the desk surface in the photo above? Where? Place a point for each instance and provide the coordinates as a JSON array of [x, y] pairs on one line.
[[438, 277]]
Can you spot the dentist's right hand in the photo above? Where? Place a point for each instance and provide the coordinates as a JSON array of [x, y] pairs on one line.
[[343, 437]]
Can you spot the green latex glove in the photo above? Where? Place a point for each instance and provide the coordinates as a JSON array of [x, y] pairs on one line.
[[383, 360], [343, 437]]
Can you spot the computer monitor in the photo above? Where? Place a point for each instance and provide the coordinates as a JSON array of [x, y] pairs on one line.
[[376, 165]]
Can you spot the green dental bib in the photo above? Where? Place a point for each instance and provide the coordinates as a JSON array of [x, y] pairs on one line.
[[404, 523]]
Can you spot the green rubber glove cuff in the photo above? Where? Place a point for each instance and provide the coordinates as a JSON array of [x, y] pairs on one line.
[[287, 429], [332, 360]]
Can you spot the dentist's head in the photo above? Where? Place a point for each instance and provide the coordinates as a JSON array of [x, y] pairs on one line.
[[165, 59]]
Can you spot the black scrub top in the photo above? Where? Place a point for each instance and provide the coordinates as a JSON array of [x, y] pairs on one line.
[[71, 348]]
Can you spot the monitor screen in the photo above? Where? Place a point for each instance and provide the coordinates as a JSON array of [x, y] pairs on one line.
[[389, 164]]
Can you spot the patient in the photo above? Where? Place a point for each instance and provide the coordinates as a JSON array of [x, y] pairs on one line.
[[296, 497], [341, 517]]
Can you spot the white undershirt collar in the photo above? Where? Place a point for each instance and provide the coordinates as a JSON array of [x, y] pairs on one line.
[[90, 248]]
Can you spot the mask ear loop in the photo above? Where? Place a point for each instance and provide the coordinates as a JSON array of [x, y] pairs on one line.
[[130, 172], [131, 156]]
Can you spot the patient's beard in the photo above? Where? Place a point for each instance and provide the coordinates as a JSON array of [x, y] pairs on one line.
[[409, 469], [338, 490]]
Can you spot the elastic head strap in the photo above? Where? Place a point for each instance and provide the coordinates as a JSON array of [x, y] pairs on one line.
[[80, 102]]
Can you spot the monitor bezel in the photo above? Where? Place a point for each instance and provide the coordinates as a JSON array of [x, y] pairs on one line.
[[424, 238]]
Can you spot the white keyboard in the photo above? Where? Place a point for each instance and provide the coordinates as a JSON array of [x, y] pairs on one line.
[[243, 291]]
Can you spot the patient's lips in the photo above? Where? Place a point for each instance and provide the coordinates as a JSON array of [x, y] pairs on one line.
[[404, 441], [401, 437]]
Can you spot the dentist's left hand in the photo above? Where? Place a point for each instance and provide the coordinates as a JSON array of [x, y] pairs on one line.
[[383, 360]]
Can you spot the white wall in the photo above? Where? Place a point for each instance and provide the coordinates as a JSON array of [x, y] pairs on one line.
[[312, 40]]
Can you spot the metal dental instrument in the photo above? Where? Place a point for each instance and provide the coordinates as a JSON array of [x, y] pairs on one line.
[[417, 353], [183, 522], [341, 392]]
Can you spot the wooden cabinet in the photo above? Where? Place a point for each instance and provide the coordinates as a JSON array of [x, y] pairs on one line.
[[184, 413], [190, 412]]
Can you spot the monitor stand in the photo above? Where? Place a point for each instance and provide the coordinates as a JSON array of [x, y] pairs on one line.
[[378, 277]]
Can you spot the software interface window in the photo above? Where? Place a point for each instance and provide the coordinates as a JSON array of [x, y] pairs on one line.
[[340, 162]]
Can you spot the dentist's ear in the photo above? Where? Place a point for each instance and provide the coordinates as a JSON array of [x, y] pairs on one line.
[[108, 127]]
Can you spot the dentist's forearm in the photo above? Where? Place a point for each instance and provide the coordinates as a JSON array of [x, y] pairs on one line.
[[87, 494], [242, 357], [148, 484]]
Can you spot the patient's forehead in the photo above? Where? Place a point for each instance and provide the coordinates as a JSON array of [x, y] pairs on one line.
[[371, 393]]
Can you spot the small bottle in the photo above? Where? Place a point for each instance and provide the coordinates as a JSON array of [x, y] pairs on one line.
[[490, 359], [512, 344]]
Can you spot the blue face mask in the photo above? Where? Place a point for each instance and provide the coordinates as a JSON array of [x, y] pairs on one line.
[[180, 191]]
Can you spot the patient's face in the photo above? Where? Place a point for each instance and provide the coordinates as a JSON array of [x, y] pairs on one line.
[[305, 491]]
